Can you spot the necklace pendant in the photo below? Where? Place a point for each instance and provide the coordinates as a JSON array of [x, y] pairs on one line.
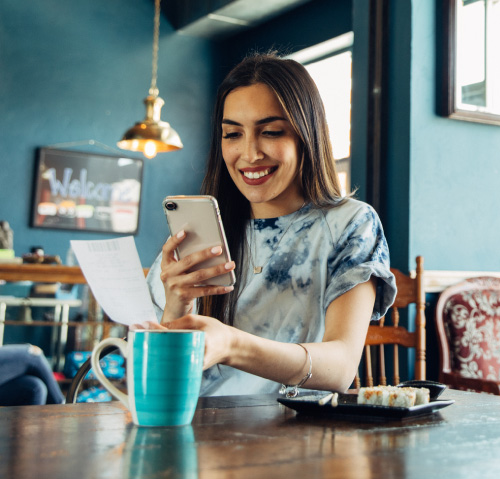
[[257, 269]]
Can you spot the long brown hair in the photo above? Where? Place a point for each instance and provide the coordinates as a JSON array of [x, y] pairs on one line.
[[302, 104]]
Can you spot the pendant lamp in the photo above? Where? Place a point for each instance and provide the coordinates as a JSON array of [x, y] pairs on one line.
[[152, 136]]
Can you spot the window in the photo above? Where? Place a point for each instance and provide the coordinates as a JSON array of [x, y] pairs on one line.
[[478, 62], [329, 64]]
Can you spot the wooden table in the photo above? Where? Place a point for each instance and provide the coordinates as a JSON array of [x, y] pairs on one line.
[[250, 437]]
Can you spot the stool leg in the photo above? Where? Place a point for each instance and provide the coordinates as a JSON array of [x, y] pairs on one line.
[[63, 337], [56, 338], [3, 307]]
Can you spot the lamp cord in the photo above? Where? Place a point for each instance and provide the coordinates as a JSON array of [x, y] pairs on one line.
[[153, 90]]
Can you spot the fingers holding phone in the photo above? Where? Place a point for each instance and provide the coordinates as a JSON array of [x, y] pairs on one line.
[[182, 286], [168, 252], [185, 272]]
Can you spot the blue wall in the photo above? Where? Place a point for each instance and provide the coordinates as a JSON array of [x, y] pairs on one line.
[[443, 175], [77, 71], [73, 71], [455, 170]]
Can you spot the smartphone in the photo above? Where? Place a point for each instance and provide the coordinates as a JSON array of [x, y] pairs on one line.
[[199, 217]]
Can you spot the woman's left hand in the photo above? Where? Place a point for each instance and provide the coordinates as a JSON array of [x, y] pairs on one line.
[[219, 338]]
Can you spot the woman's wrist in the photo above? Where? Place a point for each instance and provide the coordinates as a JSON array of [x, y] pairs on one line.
[[235, 347], [292, 390], [284, 363], [168, 317]]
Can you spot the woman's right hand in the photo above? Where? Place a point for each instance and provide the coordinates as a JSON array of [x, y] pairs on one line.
[[180, 286]]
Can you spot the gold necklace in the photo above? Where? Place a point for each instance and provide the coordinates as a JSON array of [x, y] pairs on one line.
[[258, 269]]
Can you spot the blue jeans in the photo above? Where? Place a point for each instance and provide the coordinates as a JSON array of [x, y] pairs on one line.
[[26, 377]]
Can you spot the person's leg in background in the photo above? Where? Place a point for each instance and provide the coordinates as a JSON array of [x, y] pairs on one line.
[[21, 360], [23, 391]]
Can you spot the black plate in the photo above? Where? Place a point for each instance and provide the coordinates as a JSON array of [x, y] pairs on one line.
[[347, 406]]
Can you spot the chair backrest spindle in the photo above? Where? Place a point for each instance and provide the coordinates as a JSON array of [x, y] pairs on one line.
[[410, 291]]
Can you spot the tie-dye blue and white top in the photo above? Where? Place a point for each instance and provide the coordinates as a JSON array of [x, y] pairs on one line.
[[309, 259]]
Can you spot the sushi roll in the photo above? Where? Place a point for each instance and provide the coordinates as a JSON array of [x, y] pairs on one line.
[[393, 396], [423, 396], [401, 397], [376, 395]]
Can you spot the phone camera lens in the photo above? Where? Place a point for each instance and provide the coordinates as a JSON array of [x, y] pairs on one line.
[[171, 205]]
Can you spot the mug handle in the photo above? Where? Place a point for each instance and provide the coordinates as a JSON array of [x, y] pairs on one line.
[[122, 346]]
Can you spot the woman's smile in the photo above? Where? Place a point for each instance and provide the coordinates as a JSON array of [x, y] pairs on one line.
[[257, 176]]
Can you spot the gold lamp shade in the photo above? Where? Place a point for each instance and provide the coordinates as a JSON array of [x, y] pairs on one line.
[[152, 135]]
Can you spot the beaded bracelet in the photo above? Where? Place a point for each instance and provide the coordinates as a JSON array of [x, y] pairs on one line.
[[294, 391]]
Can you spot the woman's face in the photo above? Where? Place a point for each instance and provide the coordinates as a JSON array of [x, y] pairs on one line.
[[261, 151]]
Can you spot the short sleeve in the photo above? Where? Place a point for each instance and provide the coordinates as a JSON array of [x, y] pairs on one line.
[[155, 287], [360, 253]]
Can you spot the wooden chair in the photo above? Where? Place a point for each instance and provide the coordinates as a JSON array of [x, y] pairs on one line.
[[467, 319], [383, 335]]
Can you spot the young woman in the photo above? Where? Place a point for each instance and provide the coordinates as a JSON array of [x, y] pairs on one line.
[[312, 267]]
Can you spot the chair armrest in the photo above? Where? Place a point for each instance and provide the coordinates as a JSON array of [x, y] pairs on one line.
[[456, 381]]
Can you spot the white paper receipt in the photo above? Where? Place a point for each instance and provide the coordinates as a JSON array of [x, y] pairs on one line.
[[114, 273]]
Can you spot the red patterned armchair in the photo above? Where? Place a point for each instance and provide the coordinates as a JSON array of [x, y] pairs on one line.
[[468, 327]]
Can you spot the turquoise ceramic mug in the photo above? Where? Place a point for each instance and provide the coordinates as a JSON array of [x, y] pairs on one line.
[[164, 369]]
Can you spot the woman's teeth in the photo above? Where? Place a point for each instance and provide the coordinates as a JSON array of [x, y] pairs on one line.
[[256, 174]]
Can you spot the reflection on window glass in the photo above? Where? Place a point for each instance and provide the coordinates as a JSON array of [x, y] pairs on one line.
[[343, 182], [330, 65], [493, 55], [470, 43], [333, 78], [478, 61]]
